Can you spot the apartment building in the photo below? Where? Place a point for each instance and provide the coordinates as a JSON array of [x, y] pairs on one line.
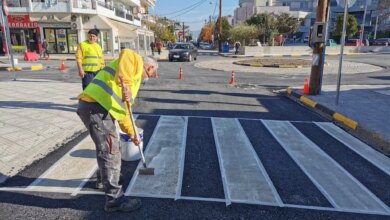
[[65, 23]]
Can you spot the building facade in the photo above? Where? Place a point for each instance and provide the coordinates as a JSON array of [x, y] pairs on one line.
[[65, 23]]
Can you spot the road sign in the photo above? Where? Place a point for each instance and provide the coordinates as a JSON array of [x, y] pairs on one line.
[[341, 3], [180, 33]]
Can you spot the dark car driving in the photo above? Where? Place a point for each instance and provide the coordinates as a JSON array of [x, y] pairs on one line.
[[183, 51], [381, 42]]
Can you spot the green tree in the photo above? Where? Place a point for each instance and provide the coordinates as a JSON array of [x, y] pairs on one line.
[[286, 24], [244, 33], [162, 30], [351, 26], [225, 29], [265, 24]]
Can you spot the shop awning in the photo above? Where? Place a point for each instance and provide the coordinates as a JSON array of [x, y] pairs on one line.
[[99, 22], [126, 32]]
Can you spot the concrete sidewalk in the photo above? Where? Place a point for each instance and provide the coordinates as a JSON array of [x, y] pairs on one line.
[[362, 109], [36, 117]]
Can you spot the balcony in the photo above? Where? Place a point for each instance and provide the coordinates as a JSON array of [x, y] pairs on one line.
[[97, 7]]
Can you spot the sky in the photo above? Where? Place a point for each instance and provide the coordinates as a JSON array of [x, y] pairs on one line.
[[193, 12]]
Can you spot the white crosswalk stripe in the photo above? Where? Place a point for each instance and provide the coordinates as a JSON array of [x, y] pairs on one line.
[[164, 153], [244, 177], [240, 166], [342, 190]]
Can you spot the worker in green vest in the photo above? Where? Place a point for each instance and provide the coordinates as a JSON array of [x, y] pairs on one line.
[[89, 58], [100, 104]]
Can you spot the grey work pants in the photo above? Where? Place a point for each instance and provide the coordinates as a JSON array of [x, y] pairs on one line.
[[101, 127]]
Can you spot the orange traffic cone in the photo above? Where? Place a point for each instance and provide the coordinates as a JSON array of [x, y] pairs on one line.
[[181, 77], [232, 81], [47, 58], [63, 65], [306, 86]]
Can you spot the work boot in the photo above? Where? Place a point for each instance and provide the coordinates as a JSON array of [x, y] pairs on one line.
[[127, 205], [99, 185]]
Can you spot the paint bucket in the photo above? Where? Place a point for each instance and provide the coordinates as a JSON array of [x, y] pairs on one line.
[[129, 150]]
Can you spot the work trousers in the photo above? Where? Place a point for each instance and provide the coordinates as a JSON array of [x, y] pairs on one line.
[[88, 77], [101, 127]]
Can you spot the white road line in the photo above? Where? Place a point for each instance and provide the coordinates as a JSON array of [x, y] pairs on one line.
[[376, 158], [182, 156], [163, 152], [66, 174], [220, 161], [263, 171], [12, 189], [246, 178], [82, 184], [342, 190], [135, 174]]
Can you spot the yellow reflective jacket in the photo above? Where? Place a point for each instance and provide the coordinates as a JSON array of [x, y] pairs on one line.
[[92, 56], [106, 88]]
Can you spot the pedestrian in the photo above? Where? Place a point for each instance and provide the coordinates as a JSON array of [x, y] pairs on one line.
[[237, 46], [89, 58], [45, 51], [170, 45], [152, 46], [100, 104], [158, 46]]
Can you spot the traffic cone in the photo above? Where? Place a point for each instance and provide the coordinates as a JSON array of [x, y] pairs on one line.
[[181, 77], [232, 81], [63, 65], [306, 87]]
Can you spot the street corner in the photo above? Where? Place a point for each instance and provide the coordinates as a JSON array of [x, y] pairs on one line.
[[323, 109]]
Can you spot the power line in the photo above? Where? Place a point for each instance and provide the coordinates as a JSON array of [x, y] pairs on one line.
[[195, 6], [174, 12]]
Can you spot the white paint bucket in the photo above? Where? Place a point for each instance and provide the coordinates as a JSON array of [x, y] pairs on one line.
[[129, 150]]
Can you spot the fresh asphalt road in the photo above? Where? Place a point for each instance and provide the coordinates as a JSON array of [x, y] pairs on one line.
[[204, 114]]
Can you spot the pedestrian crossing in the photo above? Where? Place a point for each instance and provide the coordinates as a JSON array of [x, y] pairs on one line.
[[246, 173]]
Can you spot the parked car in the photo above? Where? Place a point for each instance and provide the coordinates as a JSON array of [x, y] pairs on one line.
[[306, 39], [331, 43], [381, 42], [353, 42], [205, 46], [183, 51]]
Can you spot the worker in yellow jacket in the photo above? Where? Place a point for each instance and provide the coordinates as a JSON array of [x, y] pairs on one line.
[[89, 57], [100, 104]]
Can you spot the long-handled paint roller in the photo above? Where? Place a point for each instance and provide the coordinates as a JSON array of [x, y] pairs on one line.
[[145, 170]]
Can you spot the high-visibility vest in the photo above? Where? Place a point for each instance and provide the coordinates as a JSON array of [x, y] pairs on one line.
[[92, 55], [105, 91]]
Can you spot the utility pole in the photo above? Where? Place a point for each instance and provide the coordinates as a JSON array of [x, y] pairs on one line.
[[220, 27], [183, 31], [318, 52], [362, 26]]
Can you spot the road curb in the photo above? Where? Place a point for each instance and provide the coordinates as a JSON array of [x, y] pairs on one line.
[[287, 55], [372, 137], [274, 66], [21, 68], [336, 116]]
